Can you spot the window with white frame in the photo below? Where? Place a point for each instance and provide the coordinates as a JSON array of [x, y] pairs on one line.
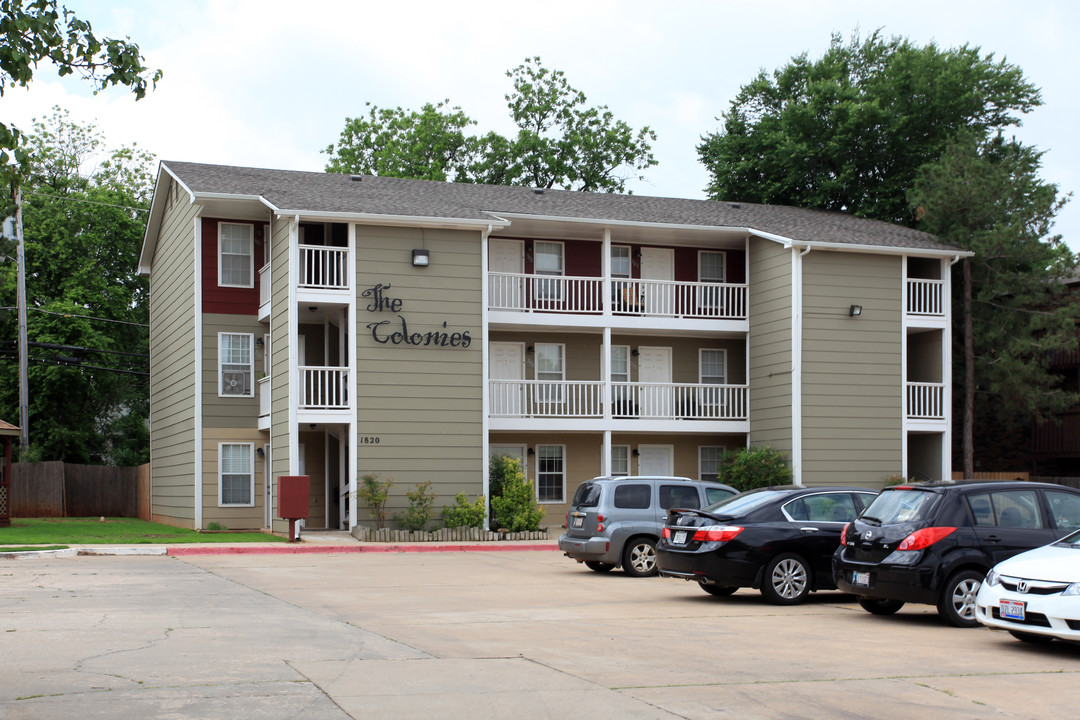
[[712, 370], [548, 260], [622, 401], [236, 474], [236, 255], [550, 367], [551, 473], [620, 459], [712, 268], [620, 261], [709, 459], [235, 365]]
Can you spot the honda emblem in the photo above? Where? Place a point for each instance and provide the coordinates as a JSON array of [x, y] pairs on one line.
[[1022, 586]]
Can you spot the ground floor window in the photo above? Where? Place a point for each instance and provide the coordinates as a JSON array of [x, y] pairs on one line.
[[620, 460], [709, 459], [236, 474], [551, 473]]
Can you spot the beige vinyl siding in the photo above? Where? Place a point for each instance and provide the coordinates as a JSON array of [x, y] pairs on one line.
[[770, 308], [422, 403], [233, 518], [852, 389], [279, 352], [229, 412], [172, 359]]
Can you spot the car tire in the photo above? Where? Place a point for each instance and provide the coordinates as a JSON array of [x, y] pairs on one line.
[[880, 606], [639, 557], [600, 567], [956, 605], [1031, 637], [717, 590], [786, 580]]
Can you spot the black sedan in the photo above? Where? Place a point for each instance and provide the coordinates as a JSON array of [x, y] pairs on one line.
[[778, 539]]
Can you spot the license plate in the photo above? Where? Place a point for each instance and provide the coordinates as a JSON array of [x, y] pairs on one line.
[[579, 520], [680, 537], [1012, 610], [860, 579]]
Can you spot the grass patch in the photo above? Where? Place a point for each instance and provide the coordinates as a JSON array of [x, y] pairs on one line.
[[32, 548], [113, 531]]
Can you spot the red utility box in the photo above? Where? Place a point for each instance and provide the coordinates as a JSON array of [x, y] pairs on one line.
[[293, 499]]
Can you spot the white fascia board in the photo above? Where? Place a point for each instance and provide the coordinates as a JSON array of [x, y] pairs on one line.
[[396, 220], [157, 211], [624, 223], [884, 249]]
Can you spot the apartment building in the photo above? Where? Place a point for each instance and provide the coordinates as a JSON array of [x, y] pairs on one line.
[[334, 325]]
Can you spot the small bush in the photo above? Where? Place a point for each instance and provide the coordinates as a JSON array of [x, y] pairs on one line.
[[418, 515], [754, 467], [373, 493], [516, 509], [216, 526], [463, 513]]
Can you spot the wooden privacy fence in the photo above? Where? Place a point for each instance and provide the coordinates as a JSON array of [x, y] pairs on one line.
[[58, 489]]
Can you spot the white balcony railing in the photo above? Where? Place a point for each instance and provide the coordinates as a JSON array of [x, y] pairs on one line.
[[925, 401], [264, 285], [585, 295], [324, 268], [584, 399], [324, 388], [925, 297], [264, 396]]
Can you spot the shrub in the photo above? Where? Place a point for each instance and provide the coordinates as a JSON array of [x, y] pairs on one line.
[[418, 515], [516, 509], [754, 467], [373, 493], [464, 513]]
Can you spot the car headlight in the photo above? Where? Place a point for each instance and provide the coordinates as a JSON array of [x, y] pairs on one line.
[[993, 578], [1072, 591]]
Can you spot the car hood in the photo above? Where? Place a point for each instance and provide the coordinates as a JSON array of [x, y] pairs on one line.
[[1053, 563]]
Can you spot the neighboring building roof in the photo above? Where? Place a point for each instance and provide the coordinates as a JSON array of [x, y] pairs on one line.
[[293, 192], [7, 428]]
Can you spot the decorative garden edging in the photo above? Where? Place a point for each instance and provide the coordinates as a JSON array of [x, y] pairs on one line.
[[366, 534]]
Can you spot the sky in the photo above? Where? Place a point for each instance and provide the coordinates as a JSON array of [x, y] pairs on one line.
[[268, 83]]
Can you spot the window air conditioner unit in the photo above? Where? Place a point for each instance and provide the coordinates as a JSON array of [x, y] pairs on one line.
[[234, 383]]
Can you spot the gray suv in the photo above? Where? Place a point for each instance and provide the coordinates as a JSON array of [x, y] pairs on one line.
[[616, 521]]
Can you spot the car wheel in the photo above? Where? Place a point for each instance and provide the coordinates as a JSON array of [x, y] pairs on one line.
[[717, 590], [786, 581], [880, 606], [1031, 637], [600, 567], [957, 602], [639, 558]]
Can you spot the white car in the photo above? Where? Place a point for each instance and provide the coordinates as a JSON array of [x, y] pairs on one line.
[[1035, 595]]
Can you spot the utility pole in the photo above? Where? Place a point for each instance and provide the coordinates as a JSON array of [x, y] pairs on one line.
[[24, 380]]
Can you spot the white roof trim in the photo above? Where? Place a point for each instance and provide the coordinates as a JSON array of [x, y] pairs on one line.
[[402, 220]]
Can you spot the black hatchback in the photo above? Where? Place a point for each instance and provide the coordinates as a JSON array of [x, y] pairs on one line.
[[778, 539], [933, 543]]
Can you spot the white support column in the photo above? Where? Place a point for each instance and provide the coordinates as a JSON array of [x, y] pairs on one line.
[[349, 440]]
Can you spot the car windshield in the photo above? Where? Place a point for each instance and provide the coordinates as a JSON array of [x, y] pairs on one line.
[[745, 503], [1070, 540], [899, 505]]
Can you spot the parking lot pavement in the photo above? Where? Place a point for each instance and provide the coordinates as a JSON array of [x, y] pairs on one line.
[[477, 635]]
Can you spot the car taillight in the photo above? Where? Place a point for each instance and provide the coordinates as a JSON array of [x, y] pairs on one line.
[[924, 538], [599, 523], [717, 533], [843, 534], [666, 534]]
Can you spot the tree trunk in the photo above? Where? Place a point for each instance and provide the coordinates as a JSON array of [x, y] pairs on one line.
[[969, 377]]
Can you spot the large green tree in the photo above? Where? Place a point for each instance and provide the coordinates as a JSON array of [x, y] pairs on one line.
[[850, 130], [985, 195], [84, 216], [561, 142], [37, 31]]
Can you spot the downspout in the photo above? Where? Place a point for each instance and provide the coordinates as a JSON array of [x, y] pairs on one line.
[[796, 364], [484, 382]]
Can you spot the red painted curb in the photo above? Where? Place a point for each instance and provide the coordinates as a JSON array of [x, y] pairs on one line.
[[348, 549]]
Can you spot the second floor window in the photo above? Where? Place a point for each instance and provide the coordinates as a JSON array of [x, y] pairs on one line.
[[235, 365], [550, 367], [236, 255], [548, 261]]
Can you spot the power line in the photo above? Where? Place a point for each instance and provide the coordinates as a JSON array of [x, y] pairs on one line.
[[83, 317]]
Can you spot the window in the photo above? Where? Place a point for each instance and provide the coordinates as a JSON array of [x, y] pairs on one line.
[[712, 370], [236, 256], [550, 473], [1064, 509], [235, 365], [550, 367], [709, 459], [632, 497], [679, 496], [1006, 508], [620, 261], [548, 261], [620, 459], [621, 399], [711, 266], [829, 507], [236, 474]]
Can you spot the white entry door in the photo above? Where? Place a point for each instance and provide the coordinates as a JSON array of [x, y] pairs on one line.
[[506, 361], [654, 374], [658, 264], [656, 460], [506, 293]]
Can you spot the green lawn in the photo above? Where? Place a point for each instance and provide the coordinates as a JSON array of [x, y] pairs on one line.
[[113, 531]]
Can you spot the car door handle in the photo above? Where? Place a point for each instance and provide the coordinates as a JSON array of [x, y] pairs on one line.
[[994, 538], [809, 529]]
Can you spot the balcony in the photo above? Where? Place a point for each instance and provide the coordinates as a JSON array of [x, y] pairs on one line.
[[263, 385], [925, 297], [630, 401], [925, 401], [324, 388], [324, 268], [518, 292], [264, 293]]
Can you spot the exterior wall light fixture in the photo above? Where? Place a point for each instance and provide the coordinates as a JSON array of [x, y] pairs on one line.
[[420, 258], [855, 310]]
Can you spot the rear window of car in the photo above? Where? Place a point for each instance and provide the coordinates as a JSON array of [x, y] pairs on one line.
[[893, 507], [587, 495], [715, 494], [632, 497], [744, 503]]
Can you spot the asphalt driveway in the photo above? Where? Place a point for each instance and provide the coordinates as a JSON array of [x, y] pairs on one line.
[[479, 635]]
